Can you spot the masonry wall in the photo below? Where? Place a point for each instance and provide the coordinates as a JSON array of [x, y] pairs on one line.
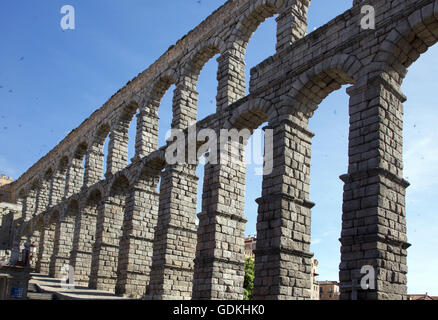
[[8, 217]]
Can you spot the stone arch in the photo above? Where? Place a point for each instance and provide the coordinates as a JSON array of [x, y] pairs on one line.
[[159, 88], [44, 192], [101, 134], [148, 125], [200, 56], [21, 197], [95, 156], [248, 23], [313, 86], [195, 63], [203, 52], [96, 192], [232, 67], [125, 117], [76, 171], [119, 138], [28, 228], [73, 207], [53, 216], [58, 183], [407, 41], [40, 222], [119, 185], [250, 115]]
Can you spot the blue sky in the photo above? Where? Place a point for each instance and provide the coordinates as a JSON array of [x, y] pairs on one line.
[[51, 80]]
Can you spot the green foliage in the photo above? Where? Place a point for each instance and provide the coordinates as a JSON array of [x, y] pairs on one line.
[[248, 284]]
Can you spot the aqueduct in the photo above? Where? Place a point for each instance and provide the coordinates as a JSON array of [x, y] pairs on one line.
[[121, 235]]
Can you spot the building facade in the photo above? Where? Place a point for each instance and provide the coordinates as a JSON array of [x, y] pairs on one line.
[[329, 290], [250, 246], [421, 297], [314, 277], [5, 190]]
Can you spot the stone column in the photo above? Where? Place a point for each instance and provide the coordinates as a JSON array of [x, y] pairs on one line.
[[58, 184], [75, 176], [93, 165], [175, 235], [118, 150], [147, 131], [40, 251], [45, 252], [231, 78], [108, 232], [63, 244], [83, 241], [292, 23], [35, 238], [43, 196], [282, 257], [374, 217], [220, 259], [136, 245], [29, 204]]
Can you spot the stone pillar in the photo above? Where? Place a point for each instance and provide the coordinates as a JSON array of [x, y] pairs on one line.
[[83, 241], [231, 78], [108, 232], [45, 251], [184, 105], [374, 217], [35, 238], [58, 184], [282, 258], [147, 131], [292, 23], [136, 245], [43, 196], [93, 165], [29, 204], [175, 235], [63, 244], [220, 255], [118, 150], [75, 177]]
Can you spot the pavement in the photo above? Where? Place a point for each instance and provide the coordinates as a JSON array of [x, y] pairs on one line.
[[42, 287]]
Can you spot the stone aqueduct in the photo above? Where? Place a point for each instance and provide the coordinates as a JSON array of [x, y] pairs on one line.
[[121, 235]]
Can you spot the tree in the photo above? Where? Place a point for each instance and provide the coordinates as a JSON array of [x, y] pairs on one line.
[[248, 283]]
